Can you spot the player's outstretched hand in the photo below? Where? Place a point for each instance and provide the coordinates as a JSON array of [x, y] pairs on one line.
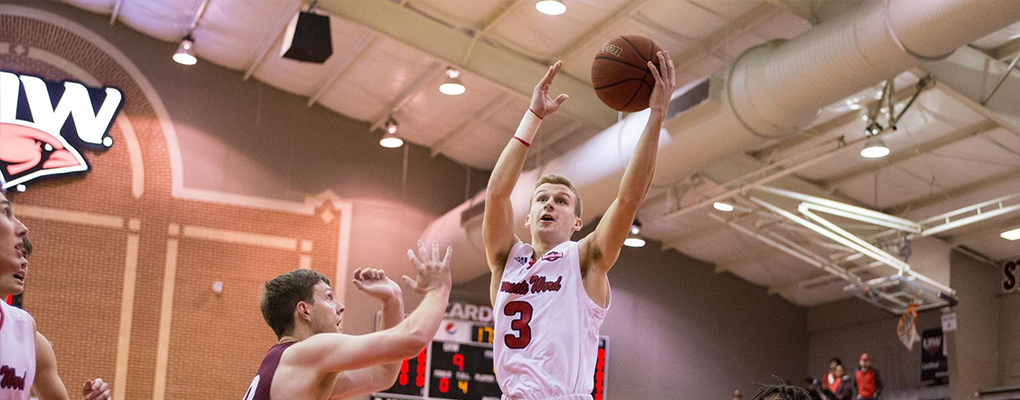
[[541, 104], [433, 272], [95, 390], [374, 282], [665, 82]]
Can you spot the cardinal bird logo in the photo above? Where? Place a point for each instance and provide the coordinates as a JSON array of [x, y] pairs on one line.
[[42, 136], [29, 153]]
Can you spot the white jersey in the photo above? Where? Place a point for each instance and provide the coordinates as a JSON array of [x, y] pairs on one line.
[[17, 353], [546, 327]]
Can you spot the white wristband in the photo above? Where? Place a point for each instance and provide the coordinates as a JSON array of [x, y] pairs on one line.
[[529, 126]]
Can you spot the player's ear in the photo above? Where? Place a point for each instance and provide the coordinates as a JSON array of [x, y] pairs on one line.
[[303, 311], [578, 223], [527, 221]]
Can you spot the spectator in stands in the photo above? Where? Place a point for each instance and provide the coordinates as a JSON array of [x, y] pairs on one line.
[[866, 380], [842, 387], [831, 377]]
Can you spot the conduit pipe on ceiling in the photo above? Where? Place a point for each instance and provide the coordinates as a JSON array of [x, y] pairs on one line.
[[769, 92]]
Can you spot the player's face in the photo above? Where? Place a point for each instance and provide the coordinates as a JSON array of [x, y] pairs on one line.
[[839, 372], [13, 264], [327, 313], [552, 215]]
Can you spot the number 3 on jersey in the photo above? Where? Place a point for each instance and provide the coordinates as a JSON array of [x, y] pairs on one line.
[[520, 324]]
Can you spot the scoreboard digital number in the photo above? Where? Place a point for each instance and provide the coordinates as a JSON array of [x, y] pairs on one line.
[[462, 371], [458, 365]]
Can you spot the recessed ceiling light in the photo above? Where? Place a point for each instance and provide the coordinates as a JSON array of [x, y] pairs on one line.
[[551, 7], [1013, 234], [724, 207]]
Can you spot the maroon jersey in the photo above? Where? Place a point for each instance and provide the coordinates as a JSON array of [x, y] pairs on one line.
[[259, 389]]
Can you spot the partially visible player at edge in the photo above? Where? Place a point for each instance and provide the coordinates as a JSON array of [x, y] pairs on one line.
[[27, 360], [550, 297], [313, 360]]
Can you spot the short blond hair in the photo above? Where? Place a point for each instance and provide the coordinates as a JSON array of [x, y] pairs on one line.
[[558, 179]]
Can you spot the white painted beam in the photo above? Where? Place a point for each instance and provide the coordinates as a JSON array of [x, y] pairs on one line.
[[409, 92], [957, 135], [270, 40], [504, 68], [348, 58], [495, 105], [968, 75], [116, 11]]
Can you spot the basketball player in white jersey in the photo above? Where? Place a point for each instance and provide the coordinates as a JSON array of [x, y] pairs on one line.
[[550, 297], [27, 361], [313, 360]]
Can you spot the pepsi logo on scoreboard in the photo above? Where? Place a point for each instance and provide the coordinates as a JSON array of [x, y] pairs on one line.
[[45, 126]]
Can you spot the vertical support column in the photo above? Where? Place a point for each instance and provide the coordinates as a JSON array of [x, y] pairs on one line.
[[127, 301], [166, 313]]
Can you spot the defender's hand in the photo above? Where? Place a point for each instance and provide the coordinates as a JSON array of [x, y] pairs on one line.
[[665, 82], [541, 104], [433, 272], [374, 282], [95, 390]]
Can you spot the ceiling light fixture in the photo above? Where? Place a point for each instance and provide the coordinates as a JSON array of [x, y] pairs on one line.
[[551, 7], [185, 54], [634, 239], [724, 207], [390, 139], [1013, 234], [874, 147], [452, 86]]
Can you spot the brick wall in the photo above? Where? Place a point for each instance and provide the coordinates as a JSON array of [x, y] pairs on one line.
[[88, 229]]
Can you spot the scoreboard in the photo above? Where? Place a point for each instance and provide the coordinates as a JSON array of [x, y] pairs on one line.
[[458, 365]]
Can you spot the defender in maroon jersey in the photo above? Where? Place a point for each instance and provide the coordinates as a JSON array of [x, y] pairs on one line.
[[313, 360]]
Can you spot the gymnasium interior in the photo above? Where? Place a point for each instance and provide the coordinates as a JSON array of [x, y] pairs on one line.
[[834, 178]]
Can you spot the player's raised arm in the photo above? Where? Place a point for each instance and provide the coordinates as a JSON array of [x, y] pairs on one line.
[[379, 377], [497, 223], [333, 352], [600, 249]]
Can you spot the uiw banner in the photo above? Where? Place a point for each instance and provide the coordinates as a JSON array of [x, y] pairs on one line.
[[45, 126]]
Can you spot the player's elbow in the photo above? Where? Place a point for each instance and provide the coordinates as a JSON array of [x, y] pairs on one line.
[[386, 378], [412, 341], [421, 339], [629, 202]]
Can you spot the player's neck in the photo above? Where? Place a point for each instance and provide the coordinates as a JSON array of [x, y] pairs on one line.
[[298, 334], [542, 247]]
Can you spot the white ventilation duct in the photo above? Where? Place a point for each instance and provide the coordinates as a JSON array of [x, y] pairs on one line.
[[770, 92]]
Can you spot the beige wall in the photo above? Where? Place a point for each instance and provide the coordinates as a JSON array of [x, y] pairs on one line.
[[976, 345], [1009, 337]]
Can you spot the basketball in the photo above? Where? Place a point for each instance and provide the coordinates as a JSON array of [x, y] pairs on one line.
[[620, 73]]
